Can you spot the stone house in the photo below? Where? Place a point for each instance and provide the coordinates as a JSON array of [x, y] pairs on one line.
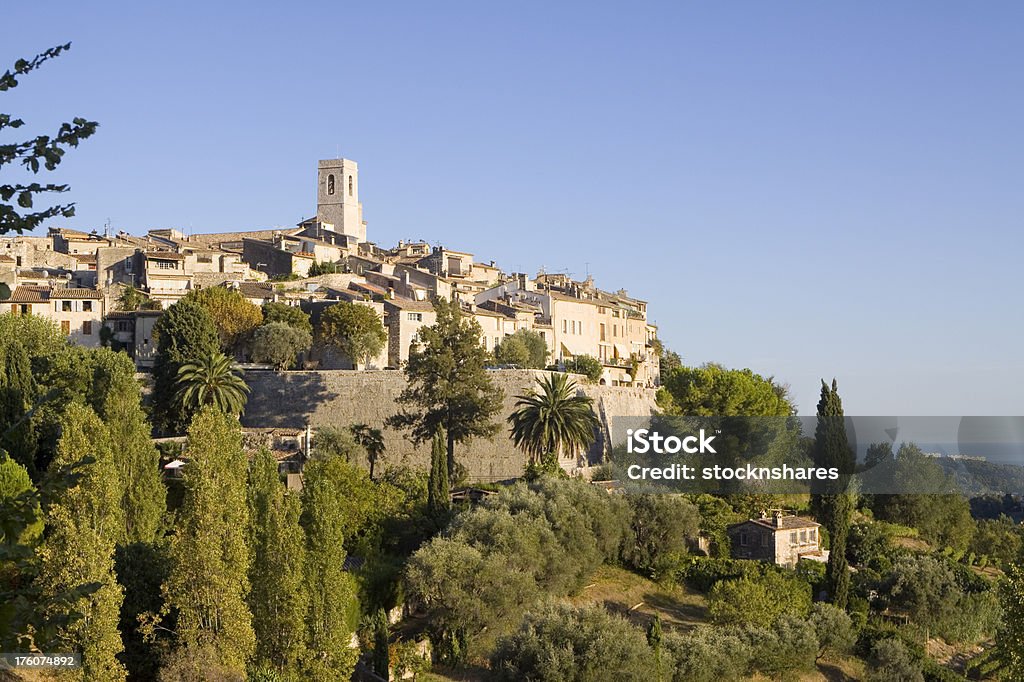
[[78, 312], [782, 539]]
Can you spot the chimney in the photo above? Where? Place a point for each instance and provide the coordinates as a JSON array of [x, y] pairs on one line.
[[778, 519]]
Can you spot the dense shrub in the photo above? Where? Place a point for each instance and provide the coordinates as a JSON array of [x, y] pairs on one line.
[[561, 643], [661, 526], [763, 600]]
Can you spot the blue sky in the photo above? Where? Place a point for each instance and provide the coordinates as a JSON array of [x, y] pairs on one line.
[[807, 189]]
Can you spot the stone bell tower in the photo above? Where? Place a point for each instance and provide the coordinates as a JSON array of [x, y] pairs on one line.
[[337, 198]]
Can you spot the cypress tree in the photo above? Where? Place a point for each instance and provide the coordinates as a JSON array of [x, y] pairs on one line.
[[833, 504], [331, 592], [277, 598], [143, 496], [438, 496], [17, 391], [209, 579], [381, 640], [83, 523]]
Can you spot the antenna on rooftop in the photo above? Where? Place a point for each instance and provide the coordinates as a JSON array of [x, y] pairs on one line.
[[106, 229]]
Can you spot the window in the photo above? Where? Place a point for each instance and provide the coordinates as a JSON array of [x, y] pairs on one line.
[[766, 539], [330, 184], [813, 534], [414, 317], [350, 185], [65, 327], [65, 306], [565, 327], [204, 259], [166, 265], [128, 264], [803, 537], [123, 326], [792, 538], [87, 328], [602, 331], [18, 261], [86, 306], [743, 539]]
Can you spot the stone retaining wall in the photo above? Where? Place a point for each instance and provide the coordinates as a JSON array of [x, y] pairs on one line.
[[339, 398]]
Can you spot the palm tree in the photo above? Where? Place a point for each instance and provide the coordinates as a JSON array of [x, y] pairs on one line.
[[211, 380], [371, 440], [553, 420]]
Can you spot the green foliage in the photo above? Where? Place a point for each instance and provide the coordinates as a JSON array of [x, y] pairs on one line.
[[44, 151], [354, 330], [494, 561], [563, 643], [143, 496], [892, 661], [709, 654], [833, 629], [278, 344], [831, 504], [132, 299], [83, 523], [554, 420], [714, 391], [141, 567], [208, 583], [759, 600], [661, 526], [448, 385], [210, 380], [942, 519], [16, 487], [329, 441], [587, 365], [183, 333], [999, 539], [526, 348], [277, 598], [17, 395], [234, 317], [331, 592], [370, 440], [381, 659], [438, 497], [289, 314], [323, 268]]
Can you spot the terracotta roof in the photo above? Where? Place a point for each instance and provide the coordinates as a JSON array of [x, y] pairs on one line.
[[25, 294], [6, 259], [787, 523], [256, 289], [63, 293], [164, 255], [409, 304]]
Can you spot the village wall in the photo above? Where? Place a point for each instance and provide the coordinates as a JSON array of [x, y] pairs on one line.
[[339, 398]]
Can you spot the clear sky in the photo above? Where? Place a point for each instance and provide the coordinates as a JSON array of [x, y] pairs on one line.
[[806, 189]]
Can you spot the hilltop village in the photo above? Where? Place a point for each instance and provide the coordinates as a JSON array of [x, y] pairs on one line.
[[78, 280]]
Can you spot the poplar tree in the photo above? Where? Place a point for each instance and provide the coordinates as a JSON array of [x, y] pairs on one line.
[[833, 504], [439, 500], [333, 609], [208, 584], [83, 524], [277, 598], [143, 496], [449, 386]]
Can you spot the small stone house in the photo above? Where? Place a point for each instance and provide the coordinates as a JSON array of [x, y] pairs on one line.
[[782, 539]]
